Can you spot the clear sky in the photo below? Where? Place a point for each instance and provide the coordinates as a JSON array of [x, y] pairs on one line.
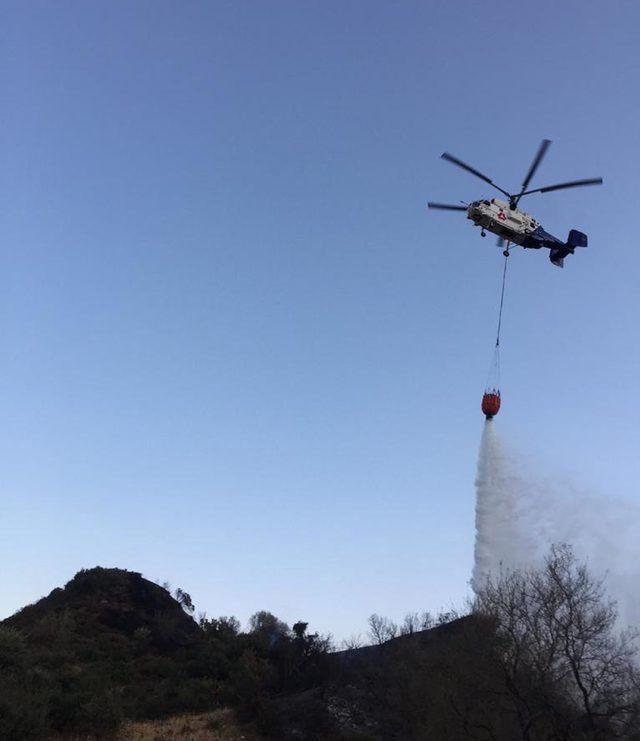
[[237, 353]]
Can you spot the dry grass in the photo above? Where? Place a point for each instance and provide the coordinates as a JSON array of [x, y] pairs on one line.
[[219, 725]]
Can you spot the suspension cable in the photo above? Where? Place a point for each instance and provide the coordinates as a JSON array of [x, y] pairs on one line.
[[504, 280]]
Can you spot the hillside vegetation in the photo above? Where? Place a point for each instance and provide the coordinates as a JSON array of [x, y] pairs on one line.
[[113, 654]]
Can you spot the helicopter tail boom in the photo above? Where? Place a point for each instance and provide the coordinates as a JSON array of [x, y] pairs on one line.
[[575, 239]]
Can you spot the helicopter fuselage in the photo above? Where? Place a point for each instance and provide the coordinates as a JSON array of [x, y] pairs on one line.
[[513, 225]]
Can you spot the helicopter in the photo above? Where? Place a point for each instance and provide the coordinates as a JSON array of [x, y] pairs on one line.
[[510, 223]]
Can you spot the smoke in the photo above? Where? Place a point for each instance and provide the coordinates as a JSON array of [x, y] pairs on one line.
[[519, 516]]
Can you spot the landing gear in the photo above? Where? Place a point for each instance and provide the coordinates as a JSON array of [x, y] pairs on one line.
[[483, 233], [506, 253]]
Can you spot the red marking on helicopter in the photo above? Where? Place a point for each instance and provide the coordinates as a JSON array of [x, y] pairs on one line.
[[502, 216]]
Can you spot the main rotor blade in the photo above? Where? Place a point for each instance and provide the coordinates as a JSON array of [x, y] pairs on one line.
[[572, 184], [542, 150], [455, 161], [446, 206]]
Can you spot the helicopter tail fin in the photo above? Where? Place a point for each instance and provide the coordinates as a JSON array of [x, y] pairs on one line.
[[576, 239]]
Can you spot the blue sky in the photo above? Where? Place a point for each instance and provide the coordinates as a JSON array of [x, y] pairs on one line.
[[237, 353]]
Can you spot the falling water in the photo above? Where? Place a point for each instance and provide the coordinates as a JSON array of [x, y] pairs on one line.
[[499, 540], [519, 516]]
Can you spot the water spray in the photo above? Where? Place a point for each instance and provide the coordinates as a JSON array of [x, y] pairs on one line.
[[520, 515]]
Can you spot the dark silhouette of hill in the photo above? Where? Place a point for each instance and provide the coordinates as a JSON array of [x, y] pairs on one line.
[[419, 641], [109, 645], [379, 691], [109, 607], [113, 646]]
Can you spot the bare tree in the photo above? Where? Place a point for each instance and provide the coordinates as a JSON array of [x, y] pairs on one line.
[[354, 641], [381, 629], [447, 616], [410, 624], [565, 667], [426, 620], [415, 621]]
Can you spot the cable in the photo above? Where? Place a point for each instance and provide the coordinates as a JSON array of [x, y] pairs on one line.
[[504, 280]]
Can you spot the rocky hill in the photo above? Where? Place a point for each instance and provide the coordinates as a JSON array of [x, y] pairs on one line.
[[111, 648], [108, 607], [108, 645]]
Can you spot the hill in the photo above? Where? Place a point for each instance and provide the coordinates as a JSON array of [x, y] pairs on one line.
[[111, 652], [112, 607], [109, 645], [111, 648]]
